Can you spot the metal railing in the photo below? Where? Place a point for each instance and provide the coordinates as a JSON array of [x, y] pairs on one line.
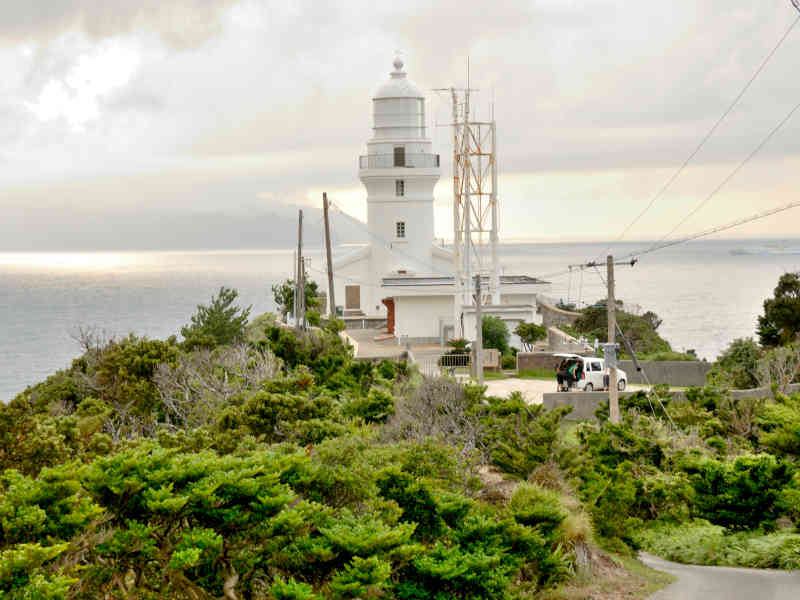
[[390, 161]]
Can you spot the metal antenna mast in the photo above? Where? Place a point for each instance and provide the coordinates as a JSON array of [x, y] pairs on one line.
[[474, 203]]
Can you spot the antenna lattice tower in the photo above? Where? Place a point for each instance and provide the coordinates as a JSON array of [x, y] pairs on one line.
[[474, 205]]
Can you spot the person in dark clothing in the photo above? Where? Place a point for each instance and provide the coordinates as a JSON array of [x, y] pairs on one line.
[[561, 375]]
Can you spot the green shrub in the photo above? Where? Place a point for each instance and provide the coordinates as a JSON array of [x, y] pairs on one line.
[[743, 494], [313, 318], [780, 427], [376, 407], [495, 334], [737, 366], [701, 543]]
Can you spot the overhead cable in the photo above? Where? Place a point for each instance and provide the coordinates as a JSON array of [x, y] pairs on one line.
[[708, 135]]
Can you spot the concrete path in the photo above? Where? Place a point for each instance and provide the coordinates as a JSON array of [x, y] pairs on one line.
[[724, 583]]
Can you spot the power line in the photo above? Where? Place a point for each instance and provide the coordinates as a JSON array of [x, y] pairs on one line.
[[388, 244], [718, 229], [705, 138], [733, 173]]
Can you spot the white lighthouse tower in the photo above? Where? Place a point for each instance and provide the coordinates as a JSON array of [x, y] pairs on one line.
[[400, 172], [402, 278]]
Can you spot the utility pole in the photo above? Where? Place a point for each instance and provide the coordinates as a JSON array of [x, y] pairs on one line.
[[611, 354], [331, 301], [299, 284], [478, 331]]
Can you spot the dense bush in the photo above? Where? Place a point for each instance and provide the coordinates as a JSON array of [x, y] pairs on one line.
[[737, 366], [641, 331], [743, 494], [495, 334]]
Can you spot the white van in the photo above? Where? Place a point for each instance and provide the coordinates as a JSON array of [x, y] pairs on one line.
[[594, 373]]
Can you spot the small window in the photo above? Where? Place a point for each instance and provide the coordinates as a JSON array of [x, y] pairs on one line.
[[596, 366], [399, 187], [399, 156], [400, 229]]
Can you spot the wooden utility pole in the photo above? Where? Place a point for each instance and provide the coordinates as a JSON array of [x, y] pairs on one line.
[[478, 331], [611, 355], [299, 284], [331, 301]]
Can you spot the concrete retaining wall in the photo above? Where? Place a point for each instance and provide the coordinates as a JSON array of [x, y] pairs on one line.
[[537, 360], [554, 316], [364, 322], [673, 372], [586, 403]]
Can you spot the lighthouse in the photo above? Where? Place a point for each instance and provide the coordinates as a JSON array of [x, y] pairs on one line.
[[399, 172], [401, 280]]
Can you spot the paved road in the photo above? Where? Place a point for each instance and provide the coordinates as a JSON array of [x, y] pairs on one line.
[[724, 583]]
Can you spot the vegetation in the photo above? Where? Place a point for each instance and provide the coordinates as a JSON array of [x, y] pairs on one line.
[[780, 323], [641, 331], [219, 323], [529, 334], [277, 466], [495, 334], [737, 366], [283, 294]]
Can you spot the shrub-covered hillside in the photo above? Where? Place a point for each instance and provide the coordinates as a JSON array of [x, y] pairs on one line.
[[274, 468], [252, 461]]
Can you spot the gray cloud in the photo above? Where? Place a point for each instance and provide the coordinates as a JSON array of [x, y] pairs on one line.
[[280, 102], [180, 23]]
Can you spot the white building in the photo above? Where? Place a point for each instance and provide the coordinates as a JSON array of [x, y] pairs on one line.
[[402, 275]]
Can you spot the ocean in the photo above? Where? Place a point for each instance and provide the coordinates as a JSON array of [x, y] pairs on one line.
[[707, 292]]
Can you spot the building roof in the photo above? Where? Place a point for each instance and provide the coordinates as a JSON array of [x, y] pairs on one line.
[[426, 280], [399, 86]]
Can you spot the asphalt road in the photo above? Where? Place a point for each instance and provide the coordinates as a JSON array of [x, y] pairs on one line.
[[724, 583]]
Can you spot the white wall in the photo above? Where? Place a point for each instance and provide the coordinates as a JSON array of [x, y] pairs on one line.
[[419, 316], [359, 273]]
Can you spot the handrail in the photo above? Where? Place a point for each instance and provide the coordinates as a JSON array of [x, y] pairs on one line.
[[391, 161]]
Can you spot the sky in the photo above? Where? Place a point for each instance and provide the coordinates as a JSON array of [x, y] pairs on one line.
[[207, 123]]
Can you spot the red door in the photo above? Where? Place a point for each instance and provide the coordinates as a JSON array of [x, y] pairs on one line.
[[389, 304]]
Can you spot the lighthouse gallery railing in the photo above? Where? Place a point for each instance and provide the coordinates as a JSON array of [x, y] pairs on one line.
[[389, 161]]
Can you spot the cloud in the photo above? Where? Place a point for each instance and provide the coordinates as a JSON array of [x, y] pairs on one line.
[[179, 23]]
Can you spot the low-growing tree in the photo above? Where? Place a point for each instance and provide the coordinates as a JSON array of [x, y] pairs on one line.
[[780, 323], [737, 366], [529, 334], [495, 333], [221, 322], [779, 367], [283, 294]]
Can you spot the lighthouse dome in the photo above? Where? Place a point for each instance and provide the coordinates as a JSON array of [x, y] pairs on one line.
[[398, 110], [399, 86]]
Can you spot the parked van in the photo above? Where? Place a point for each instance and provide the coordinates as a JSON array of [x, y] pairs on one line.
[[593, 374]]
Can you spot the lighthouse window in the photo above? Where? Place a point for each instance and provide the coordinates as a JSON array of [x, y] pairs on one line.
[[399, 187], [400, 228], [399, 156]]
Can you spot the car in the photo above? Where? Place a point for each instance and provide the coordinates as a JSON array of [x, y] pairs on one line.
[[593, 373]]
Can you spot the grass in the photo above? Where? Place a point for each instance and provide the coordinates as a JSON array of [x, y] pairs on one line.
[[548, 374], [633, 581], [701, 543]]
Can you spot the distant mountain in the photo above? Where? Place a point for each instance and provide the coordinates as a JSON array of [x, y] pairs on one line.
[[175, 231]]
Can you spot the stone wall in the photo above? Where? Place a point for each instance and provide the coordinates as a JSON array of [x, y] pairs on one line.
[[672, 372], [554, 316], [536, 360], [586, 403]]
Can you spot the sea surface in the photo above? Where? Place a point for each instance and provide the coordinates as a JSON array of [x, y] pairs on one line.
[[707, 292]]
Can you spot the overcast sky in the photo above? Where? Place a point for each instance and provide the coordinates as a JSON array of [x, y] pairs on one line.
[[171, 123]]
